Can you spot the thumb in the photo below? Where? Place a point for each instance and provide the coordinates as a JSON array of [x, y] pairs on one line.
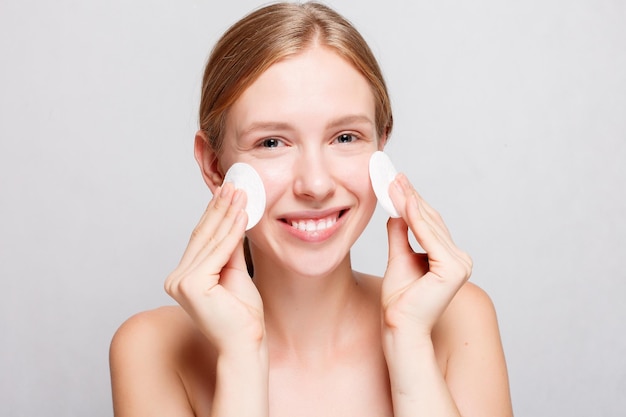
[[237, 259], [235, 273], [397, 231]]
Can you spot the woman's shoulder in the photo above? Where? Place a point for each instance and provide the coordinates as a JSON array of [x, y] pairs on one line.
[[470, 313], [474, 363], [151, 338], [152, 326], [468, 337], [470, 303], [150, 357], [471, 296], [166, 335]]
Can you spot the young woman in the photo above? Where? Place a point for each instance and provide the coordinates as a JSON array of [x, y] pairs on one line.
[[291, 330]]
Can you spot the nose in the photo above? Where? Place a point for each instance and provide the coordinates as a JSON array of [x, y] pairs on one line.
[[314, 176]]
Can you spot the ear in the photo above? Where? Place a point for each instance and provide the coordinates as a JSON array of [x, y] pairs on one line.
[[208, 161], [382, 141]]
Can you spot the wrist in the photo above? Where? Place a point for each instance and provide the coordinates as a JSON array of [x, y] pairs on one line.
[[401, 348], [242, 372], [409, 337], [244, 355]]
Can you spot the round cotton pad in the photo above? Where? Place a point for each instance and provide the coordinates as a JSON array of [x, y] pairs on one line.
[[244, 177], [382, 173]]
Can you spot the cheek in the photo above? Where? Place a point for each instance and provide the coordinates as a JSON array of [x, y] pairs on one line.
[[354, 177], [276, 177], [351, 174]]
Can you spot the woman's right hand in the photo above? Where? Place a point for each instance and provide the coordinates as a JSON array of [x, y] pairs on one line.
[[211, 281]]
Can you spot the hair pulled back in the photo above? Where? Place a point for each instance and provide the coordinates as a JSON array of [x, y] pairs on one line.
[[270, 34]]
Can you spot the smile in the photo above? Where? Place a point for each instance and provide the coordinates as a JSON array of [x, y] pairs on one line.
[[314, 225], [317, 224]]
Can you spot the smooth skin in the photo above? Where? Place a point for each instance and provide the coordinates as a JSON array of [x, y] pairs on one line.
[[308, 336]]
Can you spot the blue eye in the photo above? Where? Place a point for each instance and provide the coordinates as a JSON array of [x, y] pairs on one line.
[[271, 143], [346, 138]]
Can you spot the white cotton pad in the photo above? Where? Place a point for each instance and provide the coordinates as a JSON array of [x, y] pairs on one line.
[[382, 173], [245, 178]]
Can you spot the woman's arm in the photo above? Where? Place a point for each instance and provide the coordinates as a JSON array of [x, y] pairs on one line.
[[475, 382], [242, 384], [144, 377], [146, 356], [417, 306], [212, 285], [476, 371]]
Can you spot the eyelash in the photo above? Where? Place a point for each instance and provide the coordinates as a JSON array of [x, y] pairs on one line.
[[265, 142], [352, 136], [271, 143]]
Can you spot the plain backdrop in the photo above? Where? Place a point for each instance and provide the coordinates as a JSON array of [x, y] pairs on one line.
[[510, 119]]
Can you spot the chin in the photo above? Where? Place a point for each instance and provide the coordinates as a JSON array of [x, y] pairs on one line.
[[312, 265]]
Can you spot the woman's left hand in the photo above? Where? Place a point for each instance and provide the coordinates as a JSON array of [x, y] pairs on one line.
[[418, 287]]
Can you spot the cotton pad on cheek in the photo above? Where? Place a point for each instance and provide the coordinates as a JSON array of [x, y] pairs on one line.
[[245, 178], [382, 173]]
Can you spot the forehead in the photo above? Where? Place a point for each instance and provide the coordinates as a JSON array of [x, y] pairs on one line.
[[310, 88]]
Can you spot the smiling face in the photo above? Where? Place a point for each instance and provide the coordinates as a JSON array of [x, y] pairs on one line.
[[307, 125]]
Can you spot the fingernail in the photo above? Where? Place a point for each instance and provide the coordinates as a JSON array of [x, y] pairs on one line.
[[236, 196], [398, 184], [413, 200], [225, 190], [405, 181], [240, 216]]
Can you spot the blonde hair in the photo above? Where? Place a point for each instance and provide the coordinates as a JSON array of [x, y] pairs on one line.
[[270, 34]]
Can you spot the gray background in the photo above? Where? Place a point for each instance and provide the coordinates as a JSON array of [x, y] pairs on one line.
[[510, 119]]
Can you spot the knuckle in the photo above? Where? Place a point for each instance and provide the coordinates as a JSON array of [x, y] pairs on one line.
[[218, 206], [468, 261], [196, 232], [185, 288], [172, 282], [436, 216]]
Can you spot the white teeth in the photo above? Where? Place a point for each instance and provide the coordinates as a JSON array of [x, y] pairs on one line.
[[313, 225]]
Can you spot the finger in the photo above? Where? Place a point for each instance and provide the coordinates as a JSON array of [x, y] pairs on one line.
[[224, 225], [426, 232], [436, 221], [431, 214], [219, 255], [226, 235], [237, 261], [205, 226], [207, 232], [203, 273], [397, 235], [235, 277], [429, 231], [403, 190], [445, 259]]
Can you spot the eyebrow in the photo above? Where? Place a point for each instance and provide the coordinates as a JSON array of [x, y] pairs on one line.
[[341, 121], [351, 119]]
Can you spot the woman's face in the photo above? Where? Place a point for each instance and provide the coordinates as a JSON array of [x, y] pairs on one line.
[[307, 126]]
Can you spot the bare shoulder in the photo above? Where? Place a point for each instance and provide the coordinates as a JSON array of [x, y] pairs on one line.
[[471, 302], [475, 368], [150, 326], [147, 358], [153, 335], [468, 319]]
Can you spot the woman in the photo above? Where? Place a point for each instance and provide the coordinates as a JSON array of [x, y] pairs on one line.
[[291, 330]]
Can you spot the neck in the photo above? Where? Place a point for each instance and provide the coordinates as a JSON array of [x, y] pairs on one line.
[[308, 314]]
